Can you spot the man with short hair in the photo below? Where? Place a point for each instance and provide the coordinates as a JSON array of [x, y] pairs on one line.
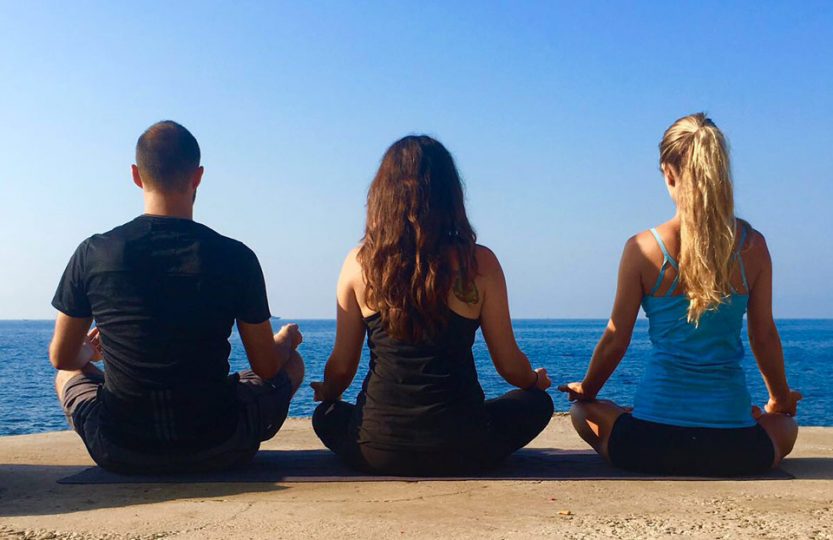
[[164, 292]]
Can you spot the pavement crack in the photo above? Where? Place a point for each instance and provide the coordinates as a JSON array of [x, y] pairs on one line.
[[426, 497], [228, 519]]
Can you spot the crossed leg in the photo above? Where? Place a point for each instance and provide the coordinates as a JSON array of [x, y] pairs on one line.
[[64, 376], [294, 368], [783, 430], [594, 420]]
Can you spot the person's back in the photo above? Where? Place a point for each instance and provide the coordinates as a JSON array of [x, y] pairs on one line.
[[699, 365], [422, 395], [695, 276], [419, 287], [164, 292]]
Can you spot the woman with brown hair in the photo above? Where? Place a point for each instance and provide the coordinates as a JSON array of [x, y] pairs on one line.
[[419, 287], [695, 276]]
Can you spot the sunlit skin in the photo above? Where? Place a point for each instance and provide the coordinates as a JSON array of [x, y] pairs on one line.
[[490, 304], [638, 271]]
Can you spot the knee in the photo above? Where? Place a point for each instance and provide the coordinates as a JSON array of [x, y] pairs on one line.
[[782, 425], [318, 417], [578, 413], [790, 430], [295, 369], [543, 409], [546, 405], [539, 409], [581, 415], [61, 380], [782, 430], [328, 420]]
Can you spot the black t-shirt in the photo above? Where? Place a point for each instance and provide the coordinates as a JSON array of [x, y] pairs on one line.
[[164, 293]]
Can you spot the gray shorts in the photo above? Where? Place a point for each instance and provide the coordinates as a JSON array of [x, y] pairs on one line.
[[264, 407]]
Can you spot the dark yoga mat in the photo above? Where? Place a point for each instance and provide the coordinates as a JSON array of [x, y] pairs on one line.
[[275, 466]]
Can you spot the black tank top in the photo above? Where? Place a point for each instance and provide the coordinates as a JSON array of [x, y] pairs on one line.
[[422, 396]]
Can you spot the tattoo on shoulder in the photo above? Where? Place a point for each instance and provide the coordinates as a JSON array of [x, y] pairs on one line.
[[466, 292]]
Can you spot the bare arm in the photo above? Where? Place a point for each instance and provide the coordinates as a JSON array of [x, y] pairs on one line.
[[763, 335], [70, 348], [343, 362], [617, 336], [510, 362], [267, 353]]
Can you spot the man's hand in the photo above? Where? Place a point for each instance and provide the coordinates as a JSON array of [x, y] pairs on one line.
[[290, 335], [788, 406], [575, 392], [321, 392], [91, 348], [267, 351]]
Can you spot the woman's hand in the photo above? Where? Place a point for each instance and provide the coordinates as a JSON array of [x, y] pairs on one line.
[[788, 406], [575, 392], [617, 335], [322, 392], [542, 380]]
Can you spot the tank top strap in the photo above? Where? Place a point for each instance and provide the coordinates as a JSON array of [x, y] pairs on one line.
[[744, 231], [674, 283], [667, 260], [658, 238]]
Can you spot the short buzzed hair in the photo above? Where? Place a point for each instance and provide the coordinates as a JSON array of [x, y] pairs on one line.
[[167, 155]]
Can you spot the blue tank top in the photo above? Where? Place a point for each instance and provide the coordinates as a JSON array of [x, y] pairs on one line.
[[694, 376]]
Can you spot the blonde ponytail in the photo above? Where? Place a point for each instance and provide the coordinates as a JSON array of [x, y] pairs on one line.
[[697, 154]]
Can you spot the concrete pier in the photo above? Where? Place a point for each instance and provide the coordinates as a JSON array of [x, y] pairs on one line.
[[34, 506]]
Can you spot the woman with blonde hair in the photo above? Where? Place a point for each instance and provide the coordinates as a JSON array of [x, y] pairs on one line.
[[419, 287], [695, 276]]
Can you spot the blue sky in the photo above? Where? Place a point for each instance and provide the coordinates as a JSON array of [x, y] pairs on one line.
[[552, 110]]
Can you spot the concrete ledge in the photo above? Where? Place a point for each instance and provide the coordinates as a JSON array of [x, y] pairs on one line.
[[33, 505]]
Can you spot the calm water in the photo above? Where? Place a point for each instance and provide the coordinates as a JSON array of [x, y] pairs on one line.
[[28, 405]]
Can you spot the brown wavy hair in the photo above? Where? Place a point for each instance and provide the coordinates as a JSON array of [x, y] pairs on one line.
[[416, 226]]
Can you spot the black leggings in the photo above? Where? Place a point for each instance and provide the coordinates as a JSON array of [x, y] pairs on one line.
[[515, 419], [649, 447]]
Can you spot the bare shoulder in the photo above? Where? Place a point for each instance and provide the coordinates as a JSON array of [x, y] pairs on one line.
[[754, 238], [487, 262], [640, 246], [351, 285], [353, 255], [754, 249], [351, 270], [639, 243], [485, 255]]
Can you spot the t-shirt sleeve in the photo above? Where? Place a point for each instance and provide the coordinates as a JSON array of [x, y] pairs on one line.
[[253, 305], [71, 296]]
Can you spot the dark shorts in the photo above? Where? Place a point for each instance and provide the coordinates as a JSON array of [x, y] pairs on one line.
[[264, 405], [649, 447], [514, 420]]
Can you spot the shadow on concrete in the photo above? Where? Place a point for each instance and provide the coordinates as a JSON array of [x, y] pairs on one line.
[[31, 490], [534, 464], [27, 490], [809, 468]]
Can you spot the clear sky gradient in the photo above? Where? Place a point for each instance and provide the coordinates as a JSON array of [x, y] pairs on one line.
[[552, 110]]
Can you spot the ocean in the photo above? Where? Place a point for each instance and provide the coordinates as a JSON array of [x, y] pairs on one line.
[[28, 403]]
